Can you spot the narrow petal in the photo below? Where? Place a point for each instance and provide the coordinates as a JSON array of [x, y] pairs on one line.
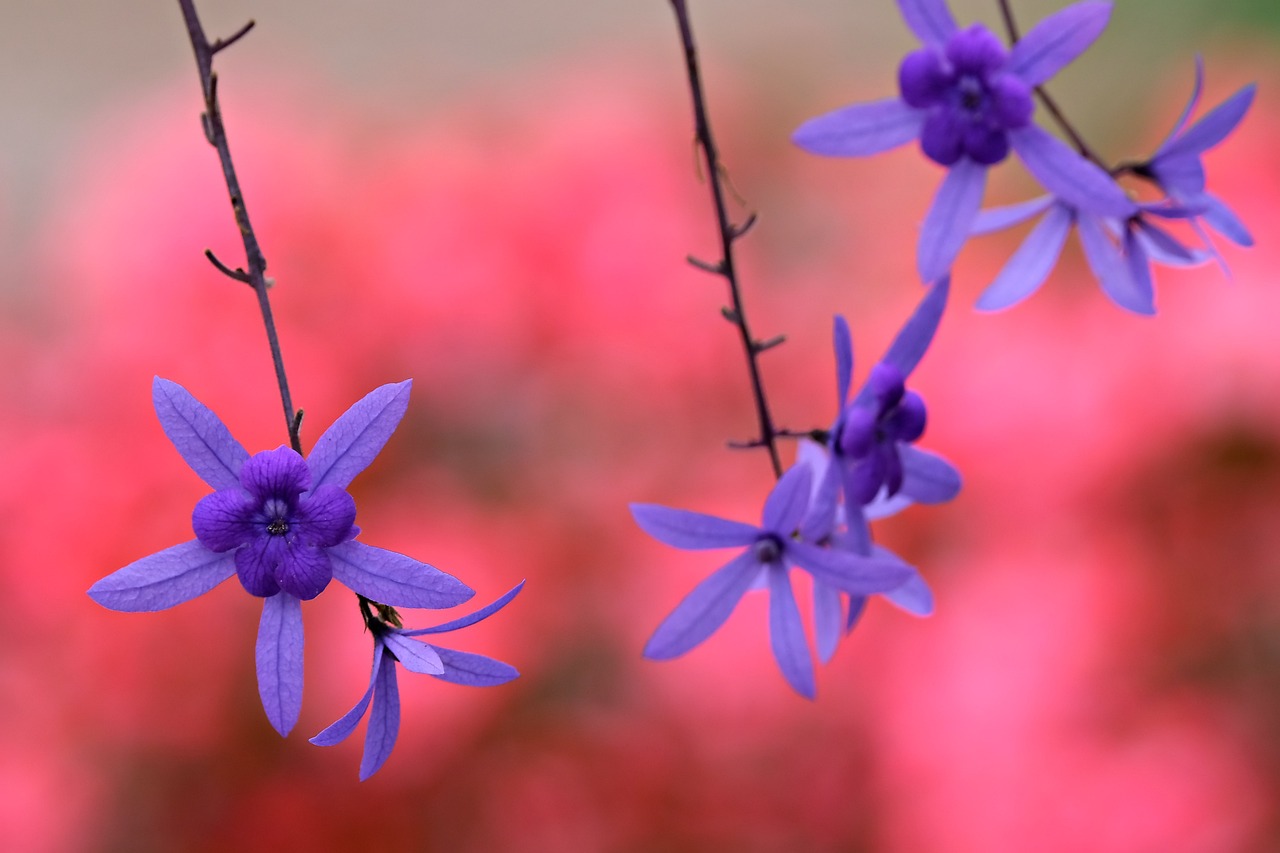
[[914, 596], [860, 130], [786, 634], [681, 528], [203, 440], [917, 333], [225, 519], [930, 20], [704, 609], [828, 617], [1196, 88], [355, 439], [1213, 126], [164, 579], [471, 619], [1031, 263], [1070, 177], [927, 477], [304, 571], [946, 225], [343, 728], [852, 573], [820, 519], [1225, 222], [842, 342], [787, 503], [391, 578], [857, 606], [414, 655], [1055, 42], [279, 657], [999, 218], [384, 719], [1139, 274], [1109, 266], [472, 670], [1162, 247]]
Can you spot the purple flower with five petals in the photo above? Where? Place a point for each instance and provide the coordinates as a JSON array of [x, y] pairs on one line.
[[284, 526], [968, 100], [771, 550], [391, 644]]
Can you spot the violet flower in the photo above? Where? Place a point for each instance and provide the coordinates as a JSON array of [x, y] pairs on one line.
[[968, 100], [391, 644], [772, 549], [284, 526]]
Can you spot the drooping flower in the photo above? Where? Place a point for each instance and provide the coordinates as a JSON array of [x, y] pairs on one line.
[[285, 526], [391, 644], [771, 550], [968, 100]]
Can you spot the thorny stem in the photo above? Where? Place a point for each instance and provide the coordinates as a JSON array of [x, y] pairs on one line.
[[216, 134], [728, 234]]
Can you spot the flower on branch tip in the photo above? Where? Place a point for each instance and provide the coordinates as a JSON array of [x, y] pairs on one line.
[[391, 644], [771, 550], [285, 526], [968, 100]]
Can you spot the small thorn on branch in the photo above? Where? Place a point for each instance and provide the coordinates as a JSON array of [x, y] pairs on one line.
[[746, 445], [737, 231], [223, 44], [237, 273], [297, 422], [705, 266], [729, 314], [762, 346]]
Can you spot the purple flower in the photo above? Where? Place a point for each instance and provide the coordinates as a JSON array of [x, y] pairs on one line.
[[771, 550], [285, 526], [392, 644], [872, 439], [968, 101]]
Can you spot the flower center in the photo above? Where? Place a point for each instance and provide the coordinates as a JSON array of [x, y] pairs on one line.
[[277, 513], [768, 549]]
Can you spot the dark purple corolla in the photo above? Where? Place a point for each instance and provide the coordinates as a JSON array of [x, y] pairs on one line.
[[283, 525], [968, 100]]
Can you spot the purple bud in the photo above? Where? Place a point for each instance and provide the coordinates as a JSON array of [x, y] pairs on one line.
[[856, 432], [886, 384]]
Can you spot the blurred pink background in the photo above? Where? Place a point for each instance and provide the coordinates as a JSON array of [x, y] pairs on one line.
[[497, 203]]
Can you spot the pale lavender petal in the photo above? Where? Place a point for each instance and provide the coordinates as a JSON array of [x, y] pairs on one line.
[[930, 20], [391, 578], [704, 609], [682, 528], [884, 506], [164, 579], [927, 477], [843, 344], [786, 634], [857, 606], [471, 619], [1052, 44], [343, 728], [225, 520], [820, 519], [860, 130], [999, 218], [1162, 247], [472, 670], [304, 572], [852, 573], [828, 616], [786, 504], [413, 655], [1213, 126], [203, 440], [355, 439], [946, 225], [1109, 266], [384, 719], [1070, 177], [856, 537], [279, 658], [1031, 264], [917, 333], [914, 596], [1196, 88], [1225, 222]]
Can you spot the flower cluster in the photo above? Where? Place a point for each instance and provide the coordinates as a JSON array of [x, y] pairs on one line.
[[285, 526]]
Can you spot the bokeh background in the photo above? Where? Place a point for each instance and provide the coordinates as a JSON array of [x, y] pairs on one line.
[[496, 199]]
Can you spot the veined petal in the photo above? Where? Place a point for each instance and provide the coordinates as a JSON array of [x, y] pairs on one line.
[[1031, 264], [358, 436], [258, 562], [1052, 44], [946, 225], [930, 20], [927, 477], [471, 619], [914, 596], [414, 655], [279, 474], [842, 342], [999, 218], [704, 609], [279, 659], [828, 618], [391, 578], [343, 728], [324, 517], [472, 670], [860, 130], [1109, 266], [225, 519], [164, 579], [384, 719], [917, 333], [1070, 177], [304, 571], [786, 634], [786, 504], [1213, 126], [201, 438], [851, 573], [682, 528]]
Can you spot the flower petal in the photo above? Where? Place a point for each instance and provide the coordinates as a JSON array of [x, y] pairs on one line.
[[1196, 88], [788, 501], [851, 573], [842, 342], [203, 440], [786, 634], [471, 619], [860, 130], [225, 519], [355, 439], [1109, 267], [414, 655], [279, 659], [1225, 222], [999, 218], [828, 617], [930, 20], [279, 474], [914, 596], [343, 728], [857, 606], [704, 609], [946, 225], [324, 517], [163, 579], [820, 519], [1213, 126], [472, 670], [304, 571], [257, 564], [1070, 177], [391, 578], [384, 719], [1031, 264], [1055, 42], [917, 333], [928, 478], [682, 528]]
